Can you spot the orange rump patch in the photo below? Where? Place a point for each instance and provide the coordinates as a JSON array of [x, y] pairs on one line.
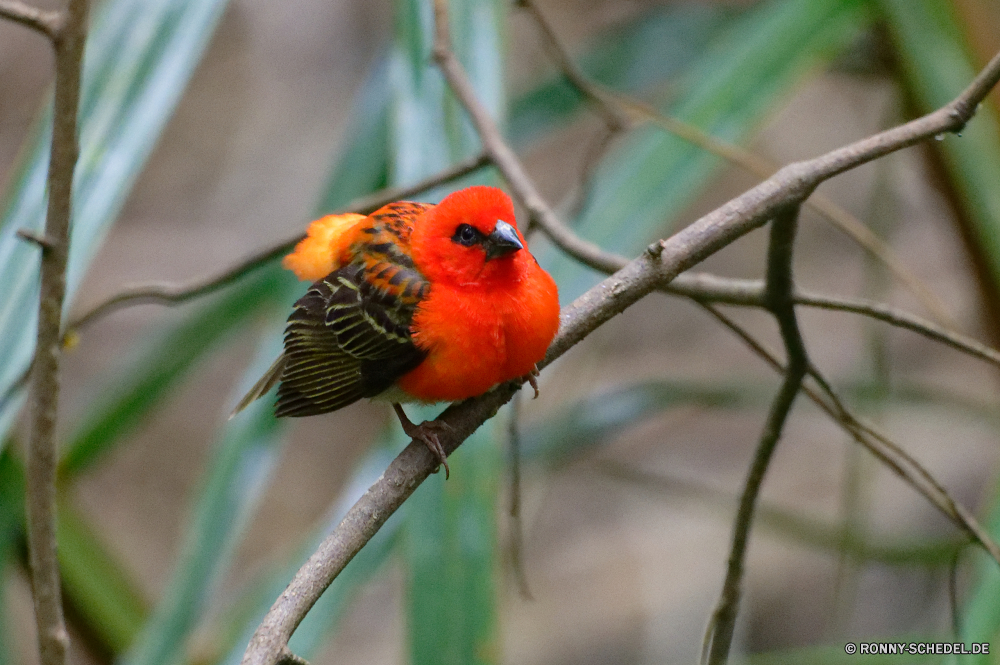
[[327, 240]]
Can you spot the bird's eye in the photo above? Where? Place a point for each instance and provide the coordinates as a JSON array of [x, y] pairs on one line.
[[467, 235]]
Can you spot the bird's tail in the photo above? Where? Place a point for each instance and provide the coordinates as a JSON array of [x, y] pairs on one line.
[[266, 382]]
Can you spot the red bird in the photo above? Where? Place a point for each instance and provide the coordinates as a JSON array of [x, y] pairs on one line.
[[414, 303]]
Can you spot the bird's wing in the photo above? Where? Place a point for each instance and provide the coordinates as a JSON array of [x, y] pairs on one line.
[[349, 335]]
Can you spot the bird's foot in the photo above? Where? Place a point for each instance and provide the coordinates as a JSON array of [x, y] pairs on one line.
[[529, 378], [428, 433]]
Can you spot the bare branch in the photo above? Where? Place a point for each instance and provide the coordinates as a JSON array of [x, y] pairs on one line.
[[778, 294], [53, 640], [750, 293], [49, 23], [661, 262], [175, 294], [879, 445]]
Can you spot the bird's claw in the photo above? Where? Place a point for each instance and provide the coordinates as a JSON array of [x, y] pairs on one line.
[[427, 433], [529, 378]]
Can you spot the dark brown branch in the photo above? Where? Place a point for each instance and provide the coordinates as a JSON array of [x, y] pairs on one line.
[[657, 266], [175, 294], [53, 641], [49, 23], [778, 294]]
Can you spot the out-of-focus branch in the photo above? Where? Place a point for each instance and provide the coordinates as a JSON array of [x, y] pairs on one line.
[[175, 294], [49, 23], [875, 442], [53, 640], [654, 268], [704, 287], [621, 111], [778, 294]]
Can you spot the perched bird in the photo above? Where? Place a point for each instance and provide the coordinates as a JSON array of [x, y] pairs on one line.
[[413, 303]]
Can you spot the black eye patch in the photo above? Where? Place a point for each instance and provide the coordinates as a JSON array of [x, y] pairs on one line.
[[467, 235]]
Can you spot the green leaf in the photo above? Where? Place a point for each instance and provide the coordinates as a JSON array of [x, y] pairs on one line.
[[325, 616], [244, 456], [140, 55], [451, 558], [574, 430], [450, 527], [937, 65], [236, 477], [649, 178], [95, 584], [646, 52], [159, 367]]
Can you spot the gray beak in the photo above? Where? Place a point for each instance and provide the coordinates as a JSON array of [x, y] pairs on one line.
[[502, 241]]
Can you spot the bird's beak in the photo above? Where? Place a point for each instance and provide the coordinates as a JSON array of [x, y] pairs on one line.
[[502, 241]]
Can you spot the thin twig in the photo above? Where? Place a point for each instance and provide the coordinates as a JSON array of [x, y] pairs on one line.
[[516, 518], [750, 293], [621, 111], [503, 156], [53, 640], [49, 23], [789, 525], [779, 290], [661, 262], [175, 294], [878, 444]]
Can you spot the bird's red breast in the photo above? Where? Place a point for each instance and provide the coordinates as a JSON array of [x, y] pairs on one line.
[[439, 303]]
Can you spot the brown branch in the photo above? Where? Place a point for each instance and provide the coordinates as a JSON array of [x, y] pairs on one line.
[[879, 445], [621, 111], [176, 294], [503, 156], [49, 23], [705, 287], [53, 640], [779, 296], [657, 266]]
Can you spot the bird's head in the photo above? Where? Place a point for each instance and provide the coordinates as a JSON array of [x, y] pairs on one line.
[[470, 238]]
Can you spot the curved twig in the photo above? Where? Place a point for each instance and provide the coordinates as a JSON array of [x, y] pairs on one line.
[[879, 445], [750, 293], [175, 294], [49, 23]]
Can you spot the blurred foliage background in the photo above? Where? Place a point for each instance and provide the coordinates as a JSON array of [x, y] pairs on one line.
[[211, 130]]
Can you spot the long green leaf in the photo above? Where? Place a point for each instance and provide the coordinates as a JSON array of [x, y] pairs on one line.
[[140, 55], [242, 464], [451, 556], [159, 367], [651, 176], [95, 584], [450, 529], [577, 428], [324, 618], [639, 55], [237, 475]]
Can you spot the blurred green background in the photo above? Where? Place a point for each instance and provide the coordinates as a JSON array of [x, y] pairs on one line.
[[211, 130]]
